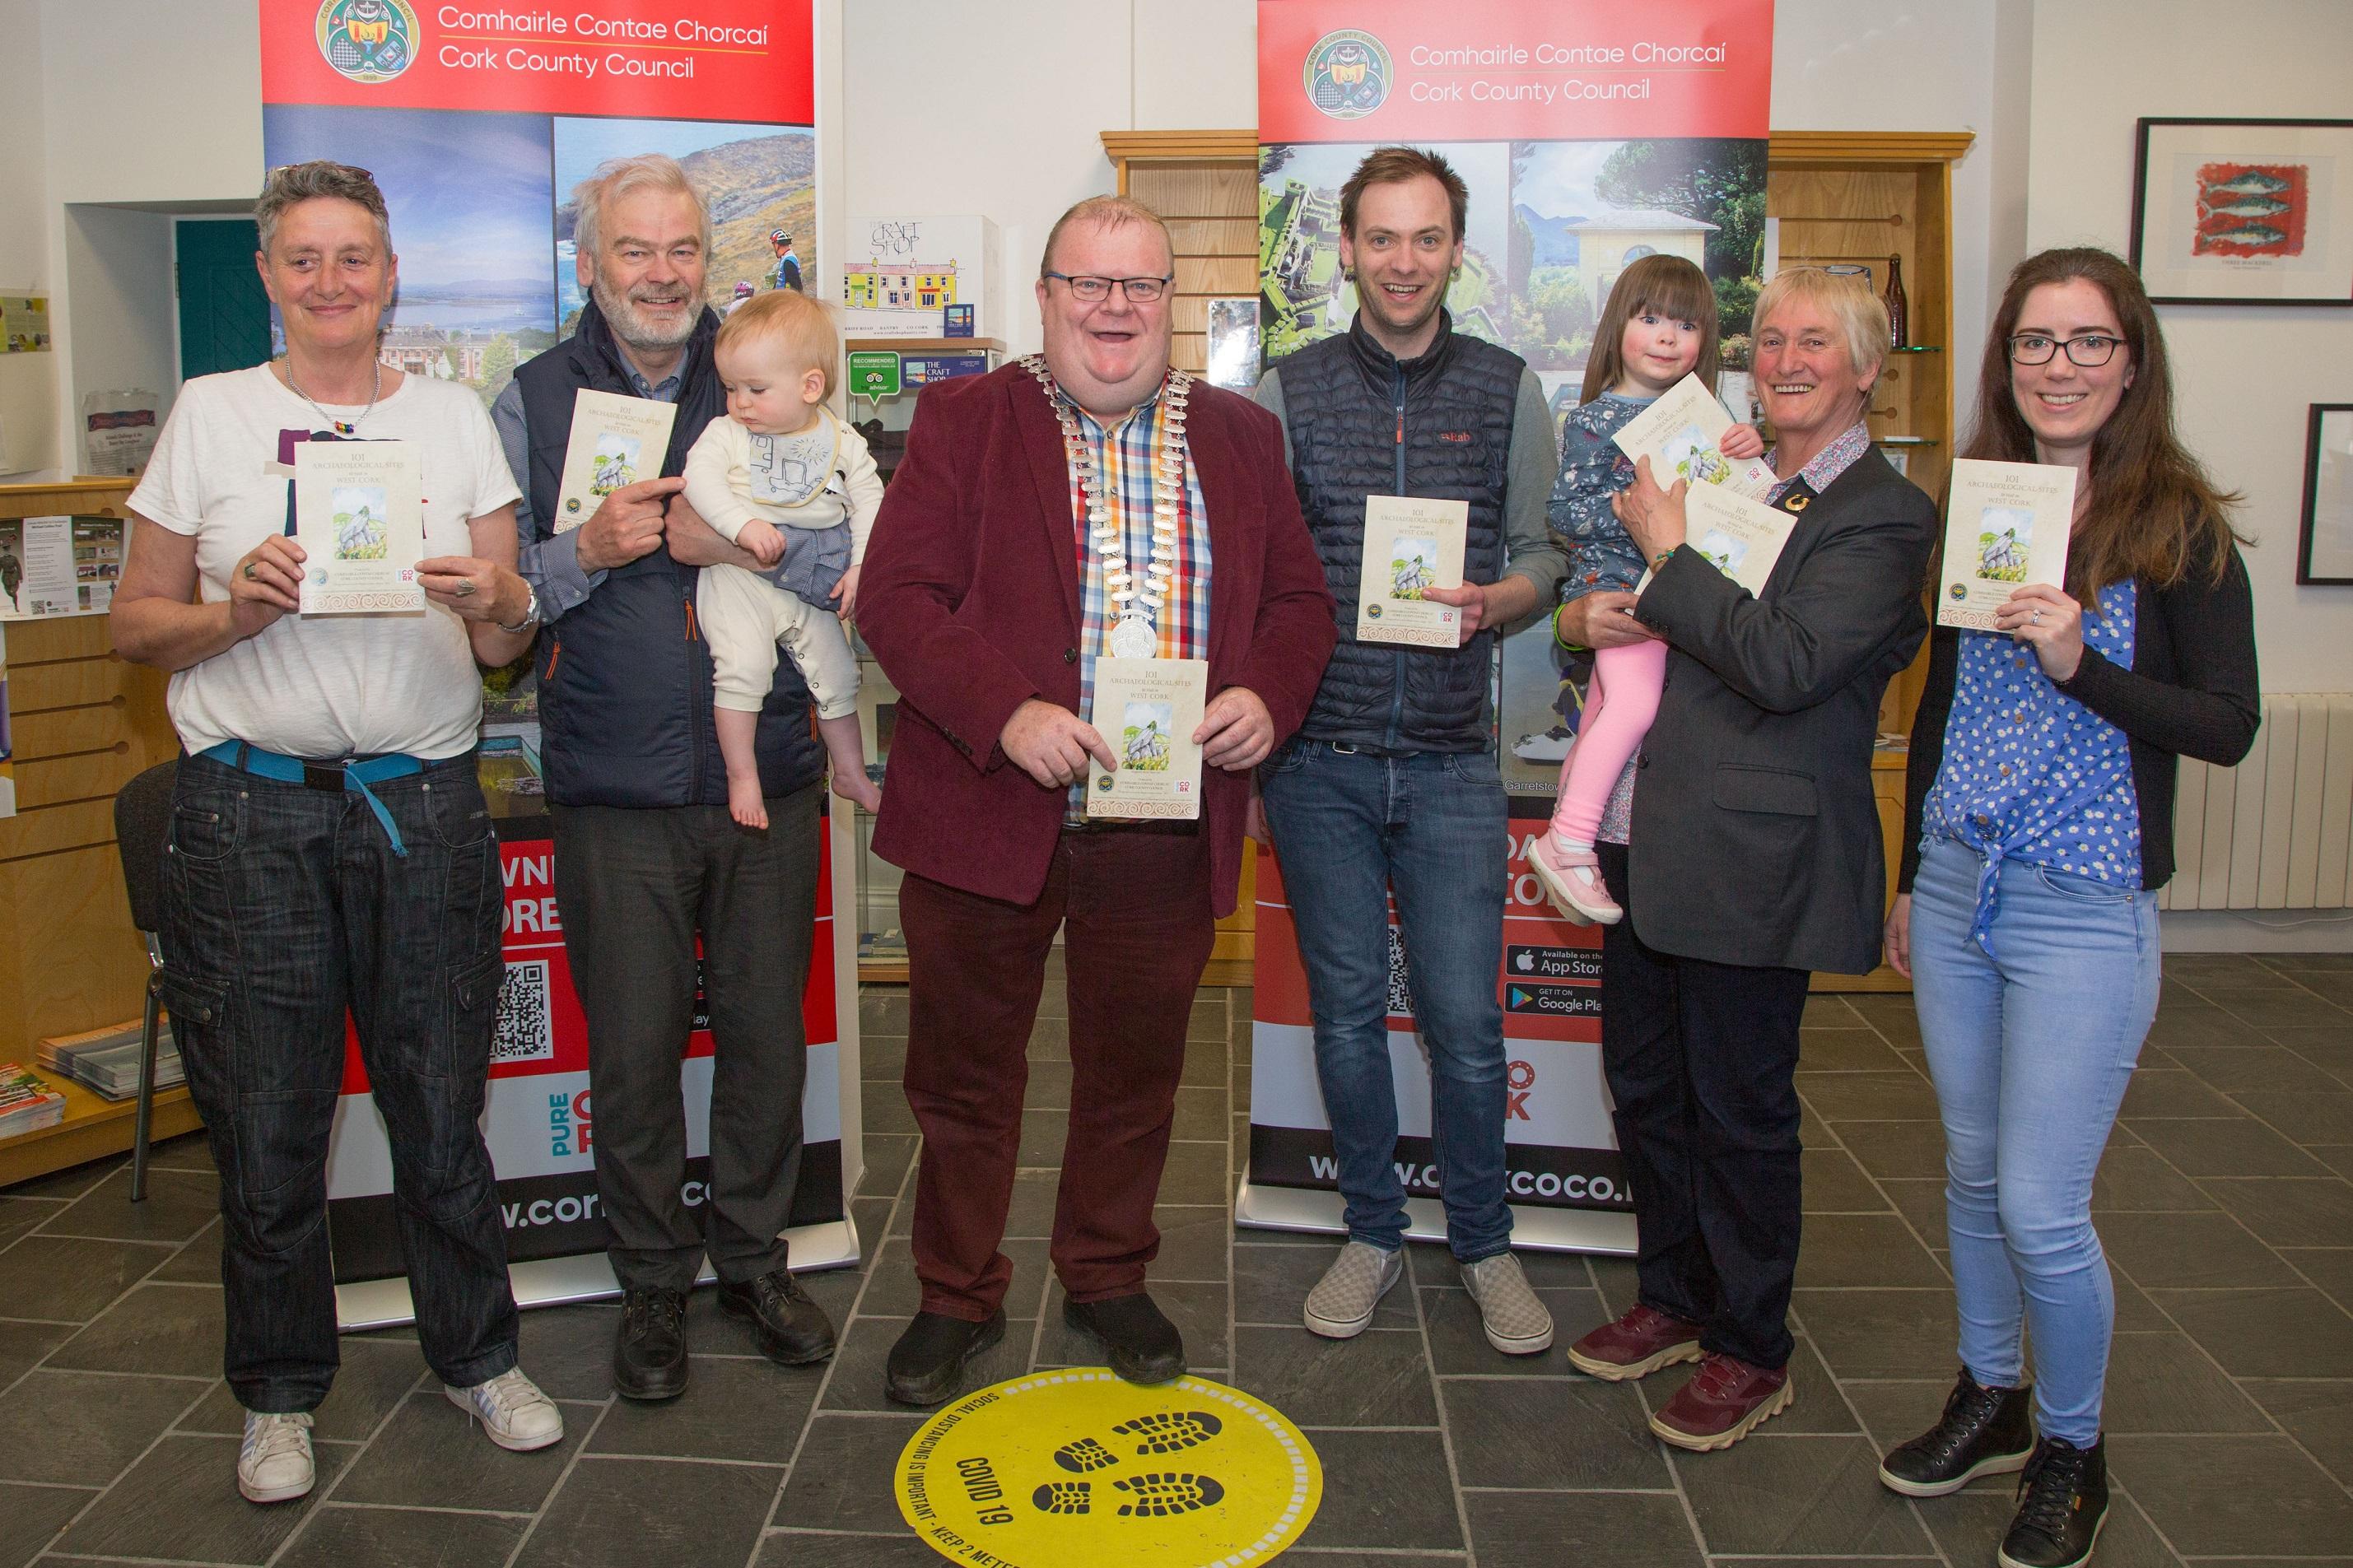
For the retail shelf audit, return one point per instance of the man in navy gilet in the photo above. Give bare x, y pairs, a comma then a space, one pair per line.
646, 854
1391, 785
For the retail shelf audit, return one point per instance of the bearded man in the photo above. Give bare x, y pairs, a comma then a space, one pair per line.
646, 853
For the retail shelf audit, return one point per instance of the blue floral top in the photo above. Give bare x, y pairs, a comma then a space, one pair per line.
2029, 774
1592, 470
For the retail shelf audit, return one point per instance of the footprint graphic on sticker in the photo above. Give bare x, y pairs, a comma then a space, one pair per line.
1165, 1493
1170, 1431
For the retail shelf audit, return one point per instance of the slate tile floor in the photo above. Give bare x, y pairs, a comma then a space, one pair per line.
2224, 1201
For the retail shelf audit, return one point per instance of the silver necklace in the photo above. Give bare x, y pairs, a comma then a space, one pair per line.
1131, 634
340, 426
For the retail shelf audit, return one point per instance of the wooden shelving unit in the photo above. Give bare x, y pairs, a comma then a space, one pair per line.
85, 723
1861, 197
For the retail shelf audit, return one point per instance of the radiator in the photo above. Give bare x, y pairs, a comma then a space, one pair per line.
2276, 831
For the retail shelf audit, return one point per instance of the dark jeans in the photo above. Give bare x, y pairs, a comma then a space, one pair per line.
1701, 1059
282, 907
1133, 908
634, 886
1350, 829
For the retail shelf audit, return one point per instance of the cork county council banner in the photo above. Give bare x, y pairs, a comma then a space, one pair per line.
477, 121
1590, 135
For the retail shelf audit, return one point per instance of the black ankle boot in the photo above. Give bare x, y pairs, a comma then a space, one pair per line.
2063, 1502
650, 1351
1983, 1432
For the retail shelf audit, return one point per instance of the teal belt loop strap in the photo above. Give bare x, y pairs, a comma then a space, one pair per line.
358, 776
353, 776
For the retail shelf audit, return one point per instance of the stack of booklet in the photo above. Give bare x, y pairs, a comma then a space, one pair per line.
106, 1061
26, 1104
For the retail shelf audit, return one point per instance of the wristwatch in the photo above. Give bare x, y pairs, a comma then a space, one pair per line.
530, 613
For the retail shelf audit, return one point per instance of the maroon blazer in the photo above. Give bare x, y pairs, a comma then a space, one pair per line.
970, 601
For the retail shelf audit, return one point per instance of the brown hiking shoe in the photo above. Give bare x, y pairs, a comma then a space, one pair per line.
1637, 1345
1724, 1402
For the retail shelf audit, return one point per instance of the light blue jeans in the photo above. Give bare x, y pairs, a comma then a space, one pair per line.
2031, 1054
1349, 830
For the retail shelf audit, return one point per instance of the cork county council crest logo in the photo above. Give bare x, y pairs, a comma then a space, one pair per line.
1348, 73
368, 40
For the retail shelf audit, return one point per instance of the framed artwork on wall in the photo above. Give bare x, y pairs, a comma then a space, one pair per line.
2323, 552
2244, 212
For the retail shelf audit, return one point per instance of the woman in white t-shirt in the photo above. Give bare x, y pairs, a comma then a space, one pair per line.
330, 847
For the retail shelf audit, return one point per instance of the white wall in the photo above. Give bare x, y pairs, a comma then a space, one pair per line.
2244, 376
24, 170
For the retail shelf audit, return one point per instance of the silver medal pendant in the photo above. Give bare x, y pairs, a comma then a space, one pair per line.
1132, 637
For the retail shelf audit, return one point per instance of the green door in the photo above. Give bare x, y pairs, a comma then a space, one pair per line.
224, 314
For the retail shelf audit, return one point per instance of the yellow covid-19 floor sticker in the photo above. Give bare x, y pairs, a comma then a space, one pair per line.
1076, 1468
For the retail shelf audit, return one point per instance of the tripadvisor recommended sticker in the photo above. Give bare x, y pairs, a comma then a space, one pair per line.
1079, 1466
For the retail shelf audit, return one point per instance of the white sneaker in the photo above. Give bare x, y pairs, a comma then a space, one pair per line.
513, 1410
273, 1464
1342, 1305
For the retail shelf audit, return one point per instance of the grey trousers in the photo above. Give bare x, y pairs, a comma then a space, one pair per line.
633, 887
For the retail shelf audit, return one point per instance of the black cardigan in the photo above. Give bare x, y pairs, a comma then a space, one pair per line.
2192, 692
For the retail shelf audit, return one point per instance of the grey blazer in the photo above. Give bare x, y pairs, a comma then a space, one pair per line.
1756, 839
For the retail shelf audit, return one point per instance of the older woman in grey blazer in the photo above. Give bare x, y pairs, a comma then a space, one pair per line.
1753, 857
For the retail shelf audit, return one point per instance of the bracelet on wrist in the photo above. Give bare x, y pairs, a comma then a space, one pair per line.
1664, 556
1561, 642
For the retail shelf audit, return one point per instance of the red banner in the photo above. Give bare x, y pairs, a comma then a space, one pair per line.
679, 59
1494, 70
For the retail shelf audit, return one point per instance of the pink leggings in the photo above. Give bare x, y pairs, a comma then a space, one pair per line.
1620, 703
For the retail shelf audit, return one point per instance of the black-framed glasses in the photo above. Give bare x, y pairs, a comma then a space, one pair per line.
1094, 291
2090, 352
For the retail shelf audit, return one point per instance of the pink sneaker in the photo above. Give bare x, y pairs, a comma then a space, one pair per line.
1572, 881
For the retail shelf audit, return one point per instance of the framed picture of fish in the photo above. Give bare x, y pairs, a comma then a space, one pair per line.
2244, 212
2325, 553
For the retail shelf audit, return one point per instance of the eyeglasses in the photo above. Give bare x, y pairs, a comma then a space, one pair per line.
2091, 350
1095, 290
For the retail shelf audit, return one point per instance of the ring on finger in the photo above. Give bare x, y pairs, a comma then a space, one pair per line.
465, 588
2036, 619
253, 571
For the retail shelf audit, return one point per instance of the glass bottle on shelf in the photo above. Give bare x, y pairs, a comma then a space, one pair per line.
1897, 307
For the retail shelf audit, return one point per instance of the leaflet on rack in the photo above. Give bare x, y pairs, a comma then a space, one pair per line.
2006, 525
1147, 711
1411, 542
1679, 434
616, 441
359, 516
1741, 538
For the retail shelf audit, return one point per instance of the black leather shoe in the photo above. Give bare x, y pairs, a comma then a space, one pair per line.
1983, 1432
649, 1352
793, 1331
2062, 1502
926, 1366
1141, 1344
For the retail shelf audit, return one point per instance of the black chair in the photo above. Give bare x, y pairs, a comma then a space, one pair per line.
143, 822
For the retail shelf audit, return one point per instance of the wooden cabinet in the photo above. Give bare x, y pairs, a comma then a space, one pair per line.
84, 724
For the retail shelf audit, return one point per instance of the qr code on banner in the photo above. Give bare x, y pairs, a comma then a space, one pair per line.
524, 1034
1401, 995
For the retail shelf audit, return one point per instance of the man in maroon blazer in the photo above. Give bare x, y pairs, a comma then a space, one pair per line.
1051, 511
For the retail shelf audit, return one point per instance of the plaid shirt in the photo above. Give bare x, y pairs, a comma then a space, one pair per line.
1123, 454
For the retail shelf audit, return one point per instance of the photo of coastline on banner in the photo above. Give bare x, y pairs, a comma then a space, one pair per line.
1411, 542
616, 441
2006, 525
359, 516
1591, 135
1147, 711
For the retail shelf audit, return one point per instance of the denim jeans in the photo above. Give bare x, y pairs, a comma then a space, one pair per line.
2031, 1054
283, 906
1348, 828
